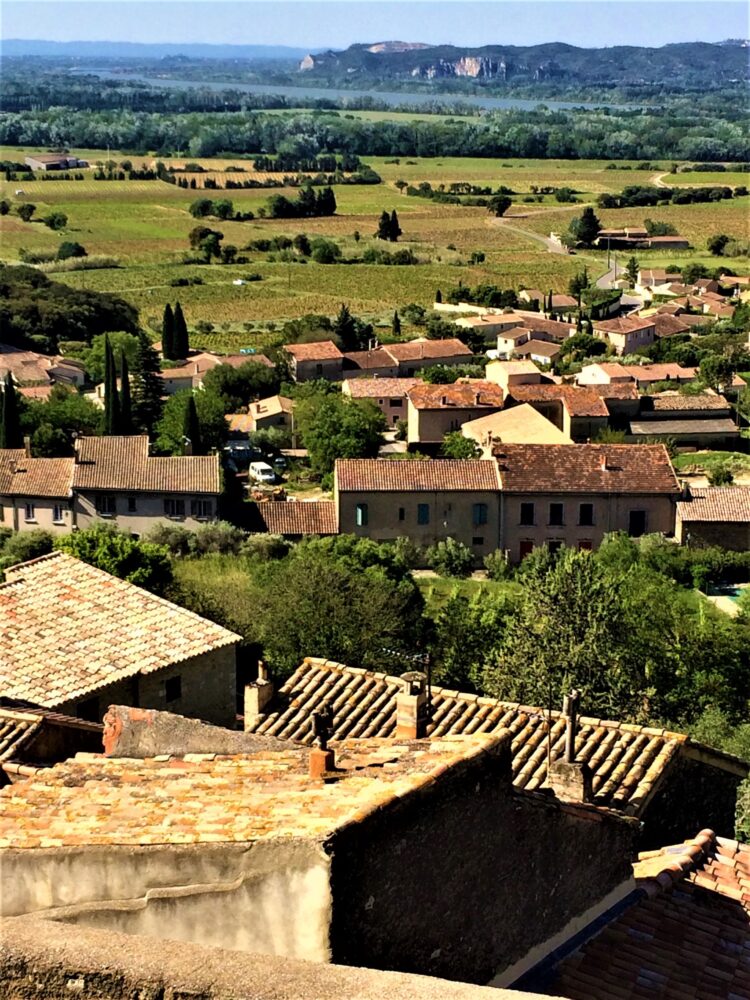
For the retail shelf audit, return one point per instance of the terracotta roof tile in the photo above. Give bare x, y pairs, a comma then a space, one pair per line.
667, 325
672, 401
35, 477
589, 468
473, 394
541, 348
376, 358
421, 350
67, 629
729, 504
356, 474
319, 350
207, 798
627, 761
623, 324
123, 463
299, 517
378, 388
578, 400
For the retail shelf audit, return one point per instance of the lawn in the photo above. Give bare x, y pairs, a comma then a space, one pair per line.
705, 462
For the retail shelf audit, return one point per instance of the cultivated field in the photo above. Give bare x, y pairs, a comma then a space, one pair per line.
145, 226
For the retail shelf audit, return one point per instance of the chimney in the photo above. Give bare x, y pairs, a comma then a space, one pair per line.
322, 760
569, 780
257, 695
27, 445
603, 463
412, 707
444, 400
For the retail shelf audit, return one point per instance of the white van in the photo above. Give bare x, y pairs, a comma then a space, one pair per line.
261, 472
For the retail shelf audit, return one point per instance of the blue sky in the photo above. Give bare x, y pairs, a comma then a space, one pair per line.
323, 23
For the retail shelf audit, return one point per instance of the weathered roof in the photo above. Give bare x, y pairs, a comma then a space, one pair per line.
22, 476
365, 474
541, 348
627, 761
590, 468
668, 325
20, 724
421, 350
377, 388
661, 428
669, 402
473, 394
579, 401
319, 350
730, 504
16, 728
123, 463
24, 366
623, 324
299, 517
211, 798
270, 406
686, 935
519, 424
376, 358
68, 629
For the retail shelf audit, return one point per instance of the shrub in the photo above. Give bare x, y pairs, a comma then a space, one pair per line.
173, 537
721, 475
450, 558
497, 566
70, 249
218, 536
19, 547
266, 548
407, 553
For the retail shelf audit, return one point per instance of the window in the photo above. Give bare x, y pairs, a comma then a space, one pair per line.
132, 505
556, 511
525, 548
58, 514
637, 523
477, 540
585, 545
396, 402
527, 513
586, 514
30, 512
89, 710
479, 514
202, 509
362, 516
2, 513
173, 689
423, 513
554, 544
174, 508
319, 369
402, 513
106, 505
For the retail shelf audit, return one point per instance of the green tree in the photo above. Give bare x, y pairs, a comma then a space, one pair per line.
585, 228
170, 429
499, 204
111, 396
181, 339
24, 545
236, 387
396, 324
717, 243
717, 371
55, 220
69, 248
11, 435
54, 423
211, 245
579, 282
466, 634
201, 208
126, 405
122, 344
301, 244
142, 563
720, 475
384, 226
450, 558
631, 269
26, 211
147, 386
167, 334
334, 426
4, 206
191, 429
394, 229
345, 330
455, 445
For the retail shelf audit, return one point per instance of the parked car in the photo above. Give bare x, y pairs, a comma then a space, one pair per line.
261, 472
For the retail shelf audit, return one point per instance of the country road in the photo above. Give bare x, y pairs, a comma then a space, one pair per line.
658, 180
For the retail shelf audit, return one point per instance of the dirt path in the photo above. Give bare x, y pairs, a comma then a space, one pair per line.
658, 180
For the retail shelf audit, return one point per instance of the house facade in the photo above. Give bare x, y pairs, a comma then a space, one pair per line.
390, 395
436, 410
35, 493
626, 333
321, 359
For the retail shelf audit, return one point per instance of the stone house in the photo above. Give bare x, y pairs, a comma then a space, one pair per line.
35, 493
436, 410
75, 639
321, 359
718, 515
626, 333
374, 363
427, 501
518, 425
390, 395
580, 413
414, 355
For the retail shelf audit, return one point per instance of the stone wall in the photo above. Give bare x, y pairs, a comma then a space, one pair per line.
699, 534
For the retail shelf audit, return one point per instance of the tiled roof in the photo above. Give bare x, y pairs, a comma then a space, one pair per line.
16, 728
622, 324
541, 348
672, 401
729, 504
42, 392
615, 390
377, 358
553, 468
24, 366
685, 937
666, 428
520, 423
513, 367
555, 328
466, 395
659, 372
208, 798
21, 476
319, 350
668, 326
378, 388
299, 517
123, 463
68, 629
627, 761
238, 360
271, 406
564, 302
656, 276
579, 401
21, 722
421, 350
358, 474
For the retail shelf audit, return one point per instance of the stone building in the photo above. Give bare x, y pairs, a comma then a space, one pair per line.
718, 515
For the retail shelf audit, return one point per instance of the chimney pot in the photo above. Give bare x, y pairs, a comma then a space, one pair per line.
257, 696
27, 445
604, 465
412, 707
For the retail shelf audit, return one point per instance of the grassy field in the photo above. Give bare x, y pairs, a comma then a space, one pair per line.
145, 226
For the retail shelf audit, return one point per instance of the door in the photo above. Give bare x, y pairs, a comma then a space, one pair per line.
637, 523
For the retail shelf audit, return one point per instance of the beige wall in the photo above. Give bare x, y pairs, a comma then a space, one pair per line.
149, 511
394, 515
13, 514
393, 407
626, 343
331, 369
431, 426
273, 420
173, 385
611, 513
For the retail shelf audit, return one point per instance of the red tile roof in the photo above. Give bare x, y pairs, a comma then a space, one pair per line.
587, 468
366, 474
579, 401
669, 402
123, 463
377, 358
35, 477
539, 348
727, 504
422, 350
378, 388
68, 629
299, 517
320, 350
667, 325
472, 394
623, 324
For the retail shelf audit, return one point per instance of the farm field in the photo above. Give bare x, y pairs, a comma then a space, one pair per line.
145, 226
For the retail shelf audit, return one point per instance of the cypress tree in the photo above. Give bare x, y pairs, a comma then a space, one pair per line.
148, 386
394, 228
181, 340
111, 399
438, 296
167, 333
10, 418
191, 429
126, 406
384, 226
345, 329
396, 327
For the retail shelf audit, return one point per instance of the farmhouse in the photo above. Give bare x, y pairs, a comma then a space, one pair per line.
717, 515
436, 410
390, 395
54, 161
626, 333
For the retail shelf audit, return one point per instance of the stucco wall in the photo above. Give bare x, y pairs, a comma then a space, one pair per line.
331, 369
149, 511
14, 514
433, 425
465, 878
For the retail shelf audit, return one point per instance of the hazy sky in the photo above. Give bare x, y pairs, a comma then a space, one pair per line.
323, 23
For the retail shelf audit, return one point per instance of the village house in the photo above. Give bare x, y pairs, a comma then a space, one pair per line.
321, 359
510, 373
718, 515
519, 425
539, 351
191, 373
390, 395
414, 355
547, 498
35, 493
426, 501
436, 410
703, 420
579, 412
644, 376
29, 369
274, 411
625, 333
296, 519
374, 363
75, 639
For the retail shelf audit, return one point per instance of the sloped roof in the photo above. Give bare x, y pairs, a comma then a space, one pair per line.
420, 350
668, 325
299, 517
365, 474
123, 463
670, 402
519, 424
591, 468
271, 406
377, 358
16, 728
578, 400
623, 324
686, 935
22, 476
68, 629
730, 504
378, 388
319, 350
627, 761
662, 428
541, 348
459, 395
